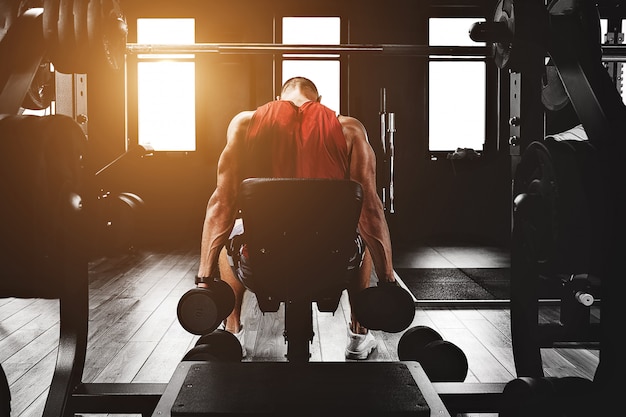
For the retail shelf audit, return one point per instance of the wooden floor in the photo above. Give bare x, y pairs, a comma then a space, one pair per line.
134, 335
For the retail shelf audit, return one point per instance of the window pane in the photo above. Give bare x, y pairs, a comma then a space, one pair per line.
167, 105
325, 75
165, 31
166, 87
456, 105
452, 31
325, 72
604, 27
311, 30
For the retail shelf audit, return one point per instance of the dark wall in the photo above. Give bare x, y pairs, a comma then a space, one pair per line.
435, 200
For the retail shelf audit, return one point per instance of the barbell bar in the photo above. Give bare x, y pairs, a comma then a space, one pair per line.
615, 53
277, 48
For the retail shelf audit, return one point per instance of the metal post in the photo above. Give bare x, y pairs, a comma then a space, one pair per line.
71, 97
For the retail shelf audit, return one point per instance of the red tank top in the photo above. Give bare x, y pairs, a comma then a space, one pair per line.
286, 141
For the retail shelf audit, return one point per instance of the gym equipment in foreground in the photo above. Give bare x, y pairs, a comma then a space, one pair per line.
303, 389
116, 212
300, 235
219, 345
549, 396
563, 199
387, 307
443, 361
558, 220
201, 310
568, 223
43, 254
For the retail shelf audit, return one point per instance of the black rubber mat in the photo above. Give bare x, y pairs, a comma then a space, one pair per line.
457, 284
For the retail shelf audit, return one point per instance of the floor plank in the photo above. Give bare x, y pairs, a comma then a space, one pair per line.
134, 335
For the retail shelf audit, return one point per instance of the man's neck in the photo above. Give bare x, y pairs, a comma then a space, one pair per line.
299, 101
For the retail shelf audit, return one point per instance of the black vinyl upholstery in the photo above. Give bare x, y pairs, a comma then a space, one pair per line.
300, 234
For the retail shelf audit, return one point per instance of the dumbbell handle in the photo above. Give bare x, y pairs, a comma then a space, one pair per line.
496, 32
584, 298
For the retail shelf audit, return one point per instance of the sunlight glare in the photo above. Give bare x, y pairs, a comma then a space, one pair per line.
166, 87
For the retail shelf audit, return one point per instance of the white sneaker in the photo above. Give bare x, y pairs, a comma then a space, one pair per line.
360, 345
242, 341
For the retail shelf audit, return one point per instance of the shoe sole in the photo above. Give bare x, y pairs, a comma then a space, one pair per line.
364, 354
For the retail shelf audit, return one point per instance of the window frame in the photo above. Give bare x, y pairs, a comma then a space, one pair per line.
132, 87
492, 75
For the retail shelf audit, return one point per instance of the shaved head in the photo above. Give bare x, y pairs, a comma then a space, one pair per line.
305, 85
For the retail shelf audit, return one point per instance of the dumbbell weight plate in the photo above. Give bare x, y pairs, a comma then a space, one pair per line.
443, 361
527, 29
412, 342
225, 296
198, 311
201, 310
107, 32
50, 23
502, 50
223, 345
389, 308
553, 94
219, 345
63, 55
81, 37
65, 25
528, 396
115, 34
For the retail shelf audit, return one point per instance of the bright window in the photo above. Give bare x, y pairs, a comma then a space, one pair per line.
456, 105
166, 87
452, 31
323, 70
456, 90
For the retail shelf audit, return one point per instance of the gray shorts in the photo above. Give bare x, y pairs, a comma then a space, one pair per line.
237, 254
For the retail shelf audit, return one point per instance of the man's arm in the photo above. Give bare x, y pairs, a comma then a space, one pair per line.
221, 208
372, 223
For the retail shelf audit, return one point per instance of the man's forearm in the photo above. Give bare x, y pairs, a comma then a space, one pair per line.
217, 226
373, 229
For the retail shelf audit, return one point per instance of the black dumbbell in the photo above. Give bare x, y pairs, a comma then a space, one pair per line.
441, 360
386, 307
548, 396
413, 341
201, 310
219, 346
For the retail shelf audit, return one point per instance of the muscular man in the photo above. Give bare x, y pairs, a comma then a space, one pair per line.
297, 137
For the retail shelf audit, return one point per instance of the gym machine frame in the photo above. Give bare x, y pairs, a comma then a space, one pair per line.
601, 112
67, 394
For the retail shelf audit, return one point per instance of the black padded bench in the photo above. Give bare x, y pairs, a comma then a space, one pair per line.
303, 389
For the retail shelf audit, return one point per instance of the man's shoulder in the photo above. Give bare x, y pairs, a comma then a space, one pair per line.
243, 117
349, 122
